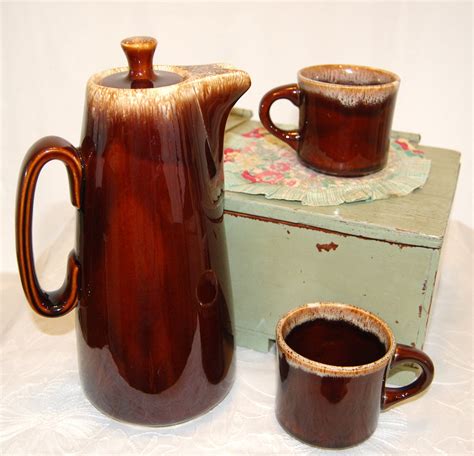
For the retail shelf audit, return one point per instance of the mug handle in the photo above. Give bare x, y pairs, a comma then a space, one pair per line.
404, 353
61, 301
290, 92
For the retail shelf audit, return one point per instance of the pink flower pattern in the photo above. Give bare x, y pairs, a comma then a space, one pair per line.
230, 154
280, 166
265, 177
255, 133
407, 147
402, 143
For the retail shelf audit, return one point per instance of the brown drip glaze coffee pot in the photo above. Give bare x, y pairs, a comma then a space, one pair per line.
149, 275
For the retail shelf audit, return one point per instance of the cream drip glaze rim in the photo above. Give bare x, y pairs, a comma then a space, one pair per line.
95, 80
198, 80
379, 86
394, 78
188, 73
335, 311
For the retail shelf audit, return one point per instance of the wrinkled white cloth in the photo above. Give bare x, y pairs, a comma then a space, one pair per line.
43, 409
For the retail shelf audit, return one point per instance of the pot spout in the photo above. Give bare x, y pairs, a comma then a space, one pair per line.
218, 87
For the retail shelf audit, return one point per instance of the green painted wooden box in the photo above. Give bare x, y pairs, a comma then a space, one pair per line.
381, 255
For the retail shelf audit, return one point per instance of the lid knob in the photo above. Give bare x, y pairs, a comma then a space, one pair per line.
139, 51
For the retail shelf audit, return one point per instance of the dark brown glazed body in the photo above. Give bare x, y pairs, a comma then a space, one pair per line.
345, 117
337, 406
344, 140
154, 348
149, 275
331, 412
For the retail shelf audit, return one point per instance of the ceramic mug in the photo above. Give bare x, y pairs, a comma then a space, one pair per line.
345, 117
333, 362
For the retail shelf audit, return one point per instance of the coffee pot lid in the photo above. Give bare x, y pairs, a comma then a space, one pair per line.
141, 74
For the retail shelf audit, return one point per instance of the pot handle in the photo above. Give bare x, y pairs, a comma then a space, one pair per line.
403, 354
290, 92
61, 301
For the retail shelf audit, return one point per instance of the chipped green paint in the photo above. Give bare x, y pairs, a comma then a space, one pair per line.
273, 272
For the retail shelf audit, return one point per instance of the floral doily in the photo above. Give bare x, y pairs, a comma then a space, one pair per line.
256, 162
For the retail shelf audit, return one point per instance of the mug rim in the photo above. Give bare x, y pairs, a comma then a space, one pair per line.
395, 79
342, 311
